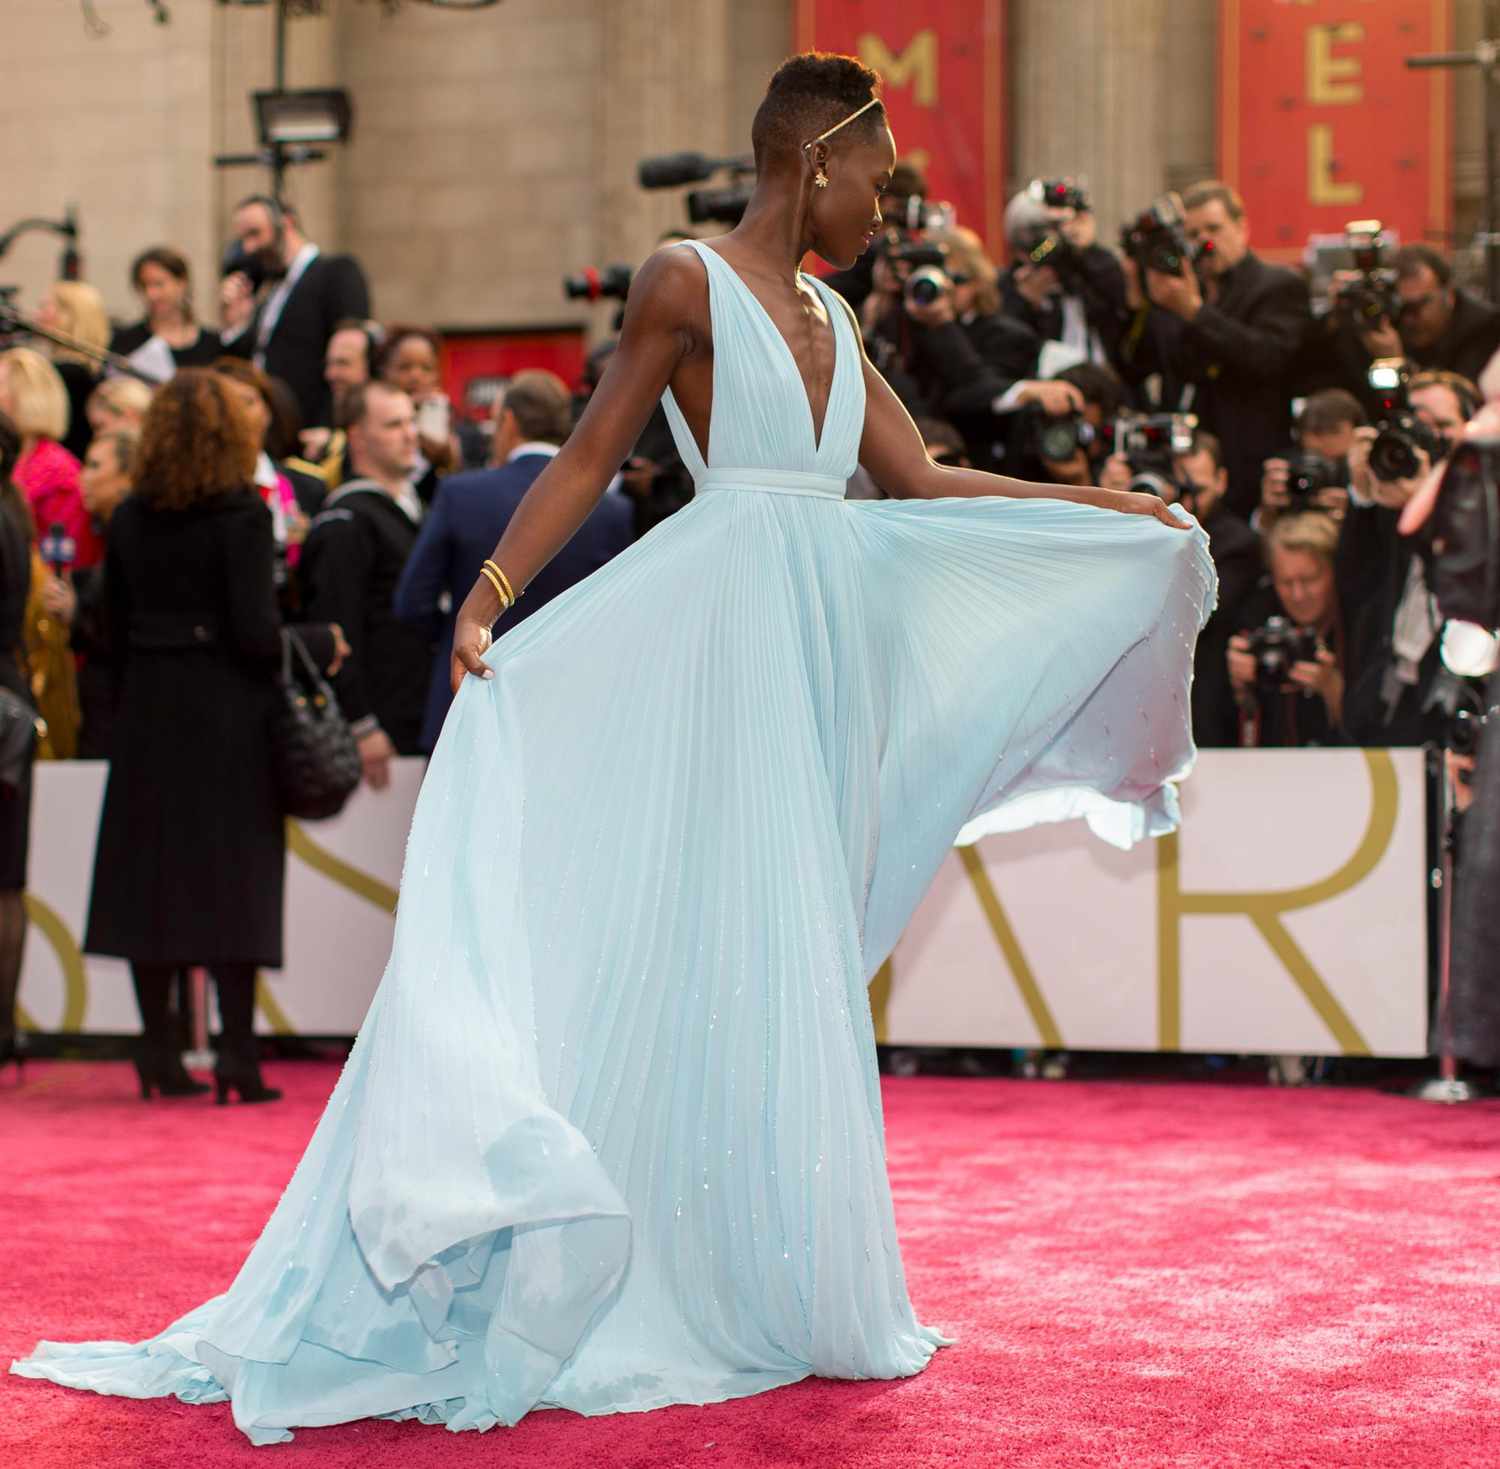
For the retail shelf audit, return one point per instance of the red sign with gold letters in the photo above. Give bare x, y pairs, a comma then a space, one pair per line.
1321, 122
942, 63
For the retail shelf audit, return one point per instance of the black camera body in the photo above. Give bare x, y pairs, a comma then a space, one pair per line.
1308, 474
1151, 444
1157, 239
1058, 439
1276, 646
1063, 193
1365, 303
1399, 432
1371, 299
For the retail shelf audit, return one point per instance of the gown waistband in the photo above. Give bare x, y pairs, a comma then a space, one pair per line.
773, 482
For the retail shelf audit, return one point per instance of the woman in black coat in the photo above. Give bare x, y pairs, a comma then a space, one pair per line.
191, 855
16, 535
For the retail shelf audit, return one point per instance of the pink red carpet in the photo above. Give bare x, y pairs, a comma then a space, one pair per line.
1137, 1275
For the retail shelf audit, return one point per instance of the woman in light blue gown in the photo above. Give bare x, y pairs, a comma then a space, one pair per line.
610, 1136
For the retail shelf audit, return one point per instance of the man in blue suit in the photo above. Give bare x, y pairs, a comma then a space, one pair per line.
471, 511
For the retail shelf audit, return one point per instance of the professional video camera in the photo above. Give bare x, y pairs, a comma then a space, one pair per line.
1399, 432
1157, 239
1371, 299
1276, 646
718, 206
1151, 444
593, 284
1308, 474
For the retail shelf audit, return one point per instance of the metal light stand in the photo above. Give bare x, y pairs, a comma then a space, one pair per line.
1447, 1086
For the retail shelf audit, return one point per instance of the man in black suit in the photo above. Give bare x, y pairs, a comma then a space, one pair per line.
1223, 336
304, 298
470, 514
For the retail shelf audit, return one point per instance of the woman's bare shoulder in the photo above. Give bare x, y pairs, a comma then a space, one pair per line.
670, 290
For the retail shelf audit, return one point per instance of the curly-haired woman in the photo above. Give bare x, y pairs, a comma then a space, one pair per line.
195, 644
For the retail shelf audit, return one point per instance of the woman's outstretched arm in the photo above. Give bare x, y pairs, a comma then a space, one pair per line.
892, 450
660, 327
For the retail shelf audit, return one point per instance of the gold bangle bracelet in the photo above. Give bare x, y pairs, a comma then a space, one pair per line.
505, 580
494, 581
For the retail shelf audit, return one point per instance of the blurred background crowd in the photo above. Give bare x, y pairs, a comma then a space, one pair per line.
1295, 419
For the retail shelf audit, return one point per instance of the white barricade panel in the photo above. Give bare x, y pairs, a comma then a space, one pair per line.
1287, 916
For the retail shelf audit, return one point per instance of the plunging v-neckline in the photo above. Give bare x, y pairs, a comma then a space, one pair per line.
815, 430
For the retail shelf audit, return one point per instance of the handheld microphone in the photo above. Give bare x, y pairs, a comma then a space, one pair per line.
58, 549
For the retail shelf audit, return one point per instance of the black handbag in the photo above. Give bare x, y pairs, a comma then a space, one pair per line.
315, 756
18, 739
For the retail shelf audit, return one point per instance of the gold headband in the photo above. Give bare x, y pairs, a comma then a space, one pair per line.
868, 105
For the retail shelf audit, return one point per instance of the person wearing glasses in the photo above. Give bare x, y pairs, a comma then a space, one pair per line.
1437, 326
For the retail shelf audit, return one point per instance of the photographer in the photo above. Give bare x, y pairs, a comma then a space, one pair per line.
1395, 682
1068, 448
1287, 665
1427, 320
1316, 477
1062, 284
1223, 332
933, 325
1199, 483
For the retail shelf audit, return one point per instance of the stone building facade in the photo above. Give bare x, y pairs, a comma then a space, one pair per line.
494, 150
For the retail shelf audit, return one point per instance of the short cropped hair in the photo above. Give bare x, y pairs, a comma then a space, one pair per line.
39, 401
1215, 191
354, 402
809, 93
1207, 443
1331, 409
1313, 531
1412, 258
541, 404
1098, 384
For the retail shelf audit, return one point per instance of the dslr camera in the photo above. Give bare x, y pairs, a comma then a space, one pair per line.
1151, 444
1365, 303
1307, 474
1399, 432
1276, 647
1059, 439
1157, 239
1046, 244
919, 264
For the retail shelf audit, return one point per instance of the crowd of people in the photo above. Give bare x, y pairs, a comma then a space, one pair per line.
1213, 383
1216, 384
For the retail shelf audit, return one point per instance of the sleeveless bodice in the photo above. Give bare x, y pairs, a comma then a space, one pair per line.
761, 430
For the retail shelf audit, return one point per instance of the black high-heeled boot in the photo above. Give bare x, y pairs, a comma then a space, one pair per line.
159, 1066
237, 1069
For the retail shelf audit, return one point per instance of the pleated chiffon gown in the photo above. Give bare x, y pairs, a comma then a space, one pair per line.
610, 1136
